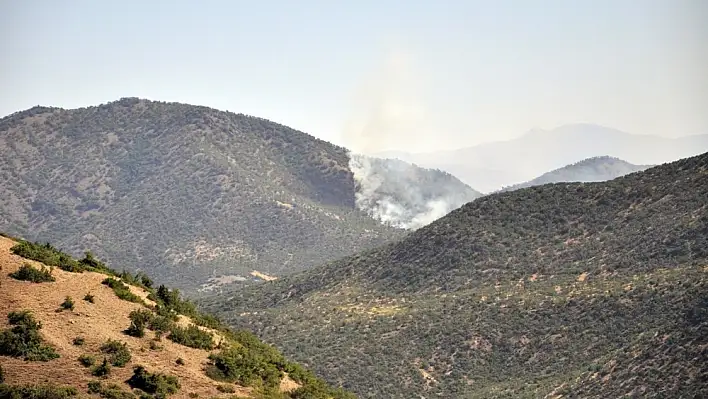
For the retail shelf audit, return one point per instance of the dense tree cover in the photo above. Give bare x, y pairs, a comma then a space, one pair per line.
591, 290
183, 192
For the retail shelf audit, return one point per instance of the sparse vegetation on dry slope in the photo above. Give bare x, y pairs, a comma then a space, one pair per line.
92, 347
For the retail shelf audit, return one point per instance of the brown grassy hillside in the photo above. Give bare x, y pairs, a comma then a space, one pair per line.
105, 319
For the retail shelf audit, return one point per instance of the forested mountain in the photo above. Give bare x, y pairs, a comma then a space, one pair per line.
184, 192
590, 290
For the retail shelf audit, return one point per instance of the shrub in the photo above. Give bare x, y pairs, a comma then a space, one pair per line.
23, 340
171, 300
158, 384
119, 352
180, 361
121, 290
89, 298
78, 341
138, 320
87, 360
207, 320
28, 391
161, 323
27, 272
2, 375
94, 386
246, 367
68, 304
111, 391
48, 255
154, 346
89, 262
192, 337
102, 370
225, 389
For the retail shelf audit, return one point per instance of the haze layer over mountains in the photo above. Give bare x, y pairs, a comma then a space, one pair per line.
492, 166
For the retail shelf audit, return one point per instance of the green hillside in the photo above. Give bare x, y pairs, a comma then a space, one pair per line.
186, 193
590, 290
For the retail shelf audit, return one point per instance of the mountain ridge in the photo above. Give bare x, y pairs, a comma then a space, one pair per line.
493, 165
539, 292
187, 193
595, 169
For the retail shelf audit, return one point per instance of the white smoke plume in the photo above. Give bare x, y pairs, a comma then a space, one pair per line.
390, 112
404, 195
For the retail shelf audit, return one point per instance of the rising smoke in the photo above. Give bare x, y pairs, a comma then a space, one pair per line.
390, 112
404, 195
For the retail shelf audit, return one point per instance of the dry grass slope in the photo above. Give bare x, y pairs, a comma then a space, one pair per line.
99, 316
105, 319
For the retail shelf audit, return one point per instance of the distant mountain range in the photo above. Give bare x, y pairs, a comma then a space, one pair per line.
489, 167
573, 290
589, 170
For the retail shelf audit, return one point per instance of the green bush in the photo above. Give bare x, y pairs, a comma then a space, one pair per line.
121, 290
170, 299
161, 323
48, 255
118, 351
180, 362
68, 304
78, 341
245, 367
94, 386
192, 337
27, 272
158, 384
23, 340
139, 319
225, 389
2, 375
111, 391
87, 360
47, 391
89, 298
102, 370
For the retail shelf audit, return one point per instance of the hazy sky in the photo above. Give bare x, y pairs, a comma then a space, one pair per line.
374, 75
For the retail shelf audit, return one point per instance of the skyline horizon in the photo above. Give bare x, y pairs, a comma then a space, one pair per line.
373, 76
387, 152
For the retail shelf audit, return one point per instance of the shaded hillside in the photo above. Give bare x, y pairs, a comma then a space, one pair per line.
589, 170
489, 167
589, 290
183, 192
80, 325
405, 195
